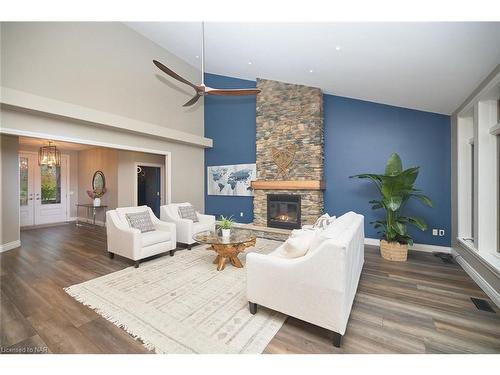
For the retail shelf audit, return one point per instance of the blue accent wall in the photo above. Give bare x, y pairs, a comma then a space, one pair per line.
359, 137
230, 122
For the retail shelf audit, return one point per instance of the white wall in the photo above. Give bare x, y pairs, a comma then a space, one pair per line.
101, 65
9, 189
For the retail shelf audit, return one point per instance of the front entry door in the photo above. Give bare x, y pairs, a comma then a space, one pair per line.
43, 191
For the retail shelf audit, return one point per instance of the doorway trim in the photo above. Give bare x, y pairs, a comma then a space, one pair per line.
84, 141
163, 177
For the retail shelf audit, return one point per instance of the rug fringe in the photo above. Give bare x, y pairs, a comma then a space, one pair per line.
148, 345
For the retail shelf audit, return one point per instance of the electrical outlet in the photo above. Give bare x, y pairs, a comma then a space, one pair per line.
434, 232
441, 232
241, 214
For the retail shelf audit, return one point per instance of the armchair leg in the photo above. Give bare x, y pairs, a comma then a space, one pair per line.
253, 308
189, 246
172, 252
111, 255
337, 338
136, 264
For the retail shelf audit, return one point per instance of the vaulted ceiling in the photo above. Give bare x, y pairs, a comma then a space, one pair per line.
426, 66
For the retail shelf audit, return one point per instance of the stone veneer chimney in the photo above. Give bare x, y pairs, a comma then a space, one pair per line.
290, 128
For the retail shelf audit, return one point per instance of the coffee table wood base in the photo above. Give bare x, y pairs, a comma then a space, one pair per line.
229, 252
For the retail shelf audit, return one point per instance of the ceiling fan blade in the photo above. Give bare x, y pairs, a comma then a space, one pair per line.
232, 92
173, 74
193, 100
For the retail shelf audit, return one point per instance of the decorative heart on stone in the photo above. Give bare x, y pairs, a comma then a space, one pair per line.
284, 158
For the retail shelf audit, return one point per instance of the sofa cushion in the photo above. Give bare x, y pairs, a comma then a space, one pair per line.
188, 212
141, 221
296, 245
154, 237
334, 230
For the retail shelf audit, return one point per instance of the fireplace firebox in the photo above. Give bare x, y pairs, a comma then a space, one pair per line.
283, 211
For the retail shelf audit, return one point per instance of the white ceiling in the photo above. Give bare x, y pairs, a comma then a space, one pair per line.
426, 66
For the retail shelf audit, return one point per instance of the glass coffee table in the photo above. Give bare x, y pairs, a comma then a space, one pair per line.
226, 248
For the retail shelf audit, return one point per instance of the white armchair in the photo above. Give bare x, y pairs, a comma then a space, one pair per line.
318, 287
186, 228
131, 243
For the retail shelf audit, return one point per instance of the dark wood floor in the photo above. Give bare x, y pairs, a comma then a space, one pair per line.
422, 306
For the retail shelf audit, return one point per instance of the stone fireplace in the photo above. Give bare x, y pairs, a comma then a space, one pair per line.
289, 151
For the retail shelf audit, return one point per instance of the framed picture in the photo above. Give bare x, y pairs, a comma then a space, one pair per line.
232, 180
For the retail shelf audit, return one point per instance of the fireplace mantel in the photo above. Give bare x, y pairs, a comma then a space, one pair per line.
288, 185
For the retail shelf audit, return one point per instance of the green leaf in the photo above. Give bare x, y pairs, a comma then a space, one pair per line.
394, 165
400, 228
424, 199
393, 203
376, 204
419, 223
371, 176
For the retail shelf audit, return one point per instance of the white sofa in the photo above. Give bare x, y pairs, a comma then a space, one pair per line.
186, 228
318, 287
131, 243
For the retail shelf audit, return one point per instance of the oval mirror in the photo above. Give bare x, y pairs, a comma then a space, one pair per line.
98, 181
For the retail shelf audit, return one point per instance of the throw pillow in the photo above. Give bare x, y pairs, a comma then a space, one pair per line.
296, 246
323, 221
141, 221
188, 212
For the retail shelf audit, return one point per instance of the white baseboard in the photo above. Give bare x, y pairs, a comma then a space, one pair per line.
483, 284
89, 221
10, 245
417, 246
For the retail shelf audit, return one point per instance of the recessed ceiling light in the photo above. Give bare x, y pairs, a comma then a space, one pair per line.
197, 56
310, 70
338, 48
249, 63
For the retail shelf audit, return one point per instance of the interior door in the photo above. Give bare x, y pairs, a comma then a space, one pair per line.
26, 189
149, 187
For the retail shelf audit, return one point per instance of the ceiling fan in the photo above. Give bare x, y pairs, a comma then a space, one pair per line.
202, 90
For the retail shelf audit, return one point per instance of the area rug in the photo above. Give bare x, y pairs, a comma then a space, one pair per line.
182, 304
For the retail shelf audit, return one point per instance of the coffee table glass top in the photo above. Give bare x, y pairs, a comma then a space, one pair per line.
237, 236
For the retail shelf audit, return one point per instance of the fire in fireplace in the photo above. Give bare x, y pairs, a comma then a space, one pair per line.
283, 211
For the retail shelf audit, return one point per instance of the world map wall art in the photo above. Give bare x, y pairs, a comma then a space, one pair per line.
232, 180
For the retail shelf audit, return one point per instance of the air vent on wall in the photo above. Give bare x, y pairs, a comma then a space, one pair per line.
482, 305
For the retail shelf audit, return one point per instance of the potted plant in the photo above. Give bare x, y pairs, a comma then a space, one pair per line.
225, 224
396, 187
96, 195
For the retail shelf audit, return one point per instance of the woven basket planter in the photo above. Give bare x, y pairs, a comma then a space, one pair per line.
393, 251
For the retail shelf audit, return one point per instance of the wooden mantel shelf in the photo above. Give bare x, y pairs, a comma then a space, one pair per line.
288, 185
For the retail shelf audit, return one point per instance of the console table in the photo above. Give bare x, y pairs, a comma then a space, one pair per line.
91, 210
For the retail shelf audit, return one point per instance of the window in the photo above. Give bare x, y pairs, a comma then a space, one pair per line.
50, 184
23, 181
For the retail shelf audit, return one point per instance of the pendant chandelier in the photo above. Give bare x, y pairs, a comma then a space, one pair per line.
49, 155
